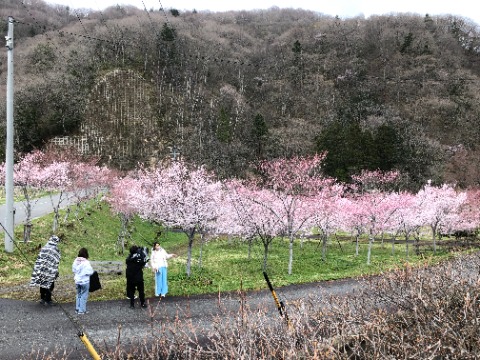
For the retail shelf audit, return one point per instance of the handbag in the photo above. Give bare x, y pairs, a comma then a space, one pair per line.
94, 282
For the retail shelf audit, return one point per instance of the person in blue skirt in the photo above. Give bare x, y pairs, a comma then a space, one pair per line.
158, 262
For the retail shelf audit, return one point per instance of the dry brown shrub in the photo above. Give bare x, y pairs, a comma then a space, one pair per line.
426, 313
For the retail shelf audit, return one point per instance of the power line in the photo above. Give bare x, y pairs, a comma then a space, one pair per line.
150, 18
80, 20
219, 60
36, 22
163, 9
62, 32
247, 63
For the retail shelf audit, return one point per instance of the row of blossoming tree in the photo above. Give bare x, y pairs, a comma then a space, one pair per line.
283, 199
290, 199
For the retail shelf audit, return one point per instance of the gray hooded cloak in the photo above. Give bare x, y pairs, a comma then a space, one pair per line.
45, 270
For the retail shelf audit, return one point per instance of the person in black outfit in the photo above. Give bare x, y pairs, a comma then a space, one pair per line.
136, 261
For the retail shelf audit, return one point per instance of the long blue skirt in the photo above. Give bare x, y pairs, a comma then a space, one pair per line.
161, 286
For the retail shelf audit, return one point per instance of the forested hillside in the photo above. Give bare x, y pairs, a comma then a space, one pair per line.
224, 89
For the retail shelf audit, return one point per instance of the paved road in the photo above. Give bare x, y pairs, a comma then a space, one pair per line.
40, 207
27, 326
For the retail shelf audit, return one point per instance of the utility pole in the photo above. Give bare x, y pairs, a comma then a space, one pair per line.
9, 225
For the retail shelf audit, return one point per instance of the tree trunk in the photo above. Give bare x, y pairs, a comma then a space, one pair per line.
27, 229
324, 246
265, 255
55, 220
250, 244
191, 235
123, 233
290, 258
201, 251
27, 232
56, 211
67, 213
369, 254
406, 244
356, 244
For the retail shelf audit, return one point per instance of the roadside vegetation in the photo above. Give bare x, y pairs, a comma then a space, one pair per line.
411, 313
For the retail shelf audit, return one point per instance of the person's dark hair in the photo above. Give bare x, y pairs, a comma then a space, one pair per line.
133, 249
155, 244
83, 253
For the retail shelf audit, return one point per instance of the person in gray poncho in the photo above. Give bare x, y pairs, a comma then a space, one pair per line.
45, 270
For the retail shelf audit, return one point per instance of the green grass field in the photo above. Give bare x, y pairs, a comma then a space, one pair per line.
226, 265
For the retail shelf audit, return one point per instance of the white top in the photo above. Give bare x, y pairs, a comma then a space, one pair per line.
82, 269
159, 259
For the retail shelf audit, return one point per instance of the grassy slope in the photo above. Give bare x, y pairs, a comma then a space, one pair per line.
225, 264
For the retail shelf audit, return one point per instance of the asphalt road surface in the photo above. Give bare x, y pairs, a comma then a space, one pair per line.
40, 207
29, 327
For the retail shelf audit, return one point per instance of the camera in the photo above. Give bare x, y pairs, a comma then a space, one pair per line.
143, 251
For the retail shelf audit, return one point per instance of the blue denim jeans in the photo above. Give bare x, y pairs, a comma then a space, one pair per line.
82, 297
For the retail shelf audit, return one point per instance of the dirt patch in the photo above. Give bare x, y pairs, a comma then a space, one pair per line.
64, 290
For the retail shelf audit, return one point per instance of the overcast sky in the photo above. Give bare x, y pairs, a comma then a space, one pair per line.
343, 8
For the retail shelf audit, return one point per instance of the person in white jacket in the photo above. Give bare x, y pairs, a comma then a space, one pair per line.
158, 262
82, 269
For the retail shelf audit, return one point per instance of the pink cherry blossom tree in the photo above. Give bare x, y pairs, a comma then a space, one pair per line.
353, 220
182, 197
292, 182
439, 207
253, 213
376, 207
27, 175
469, 213
376, 180
123, 197
231, 220
41, 168
65, 170
59, 173
57, 179
89, 180
405, 219
327, 208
